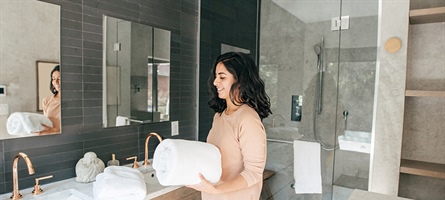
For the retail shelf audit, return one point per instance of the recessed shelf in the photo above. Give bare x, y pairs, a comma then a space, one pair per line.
424, 93
422, 168
428, 15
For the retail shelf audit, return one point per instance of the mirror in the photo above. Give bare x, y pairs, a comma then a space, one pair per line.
136, 73
30, 44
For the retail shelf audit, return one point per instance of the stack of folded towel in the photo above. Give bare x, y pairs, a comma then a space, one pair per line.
179, 162
119, 183
19, 123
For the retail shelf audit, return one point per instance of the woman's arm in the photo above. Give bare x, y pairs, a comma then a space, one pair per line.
237, 183
252, 142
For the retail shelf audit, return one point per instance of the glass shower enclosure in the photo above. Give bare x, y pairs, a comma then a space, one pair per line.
318, 61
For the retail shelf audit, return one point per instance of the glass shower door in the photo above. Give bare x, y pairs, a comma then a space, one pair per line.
319, 87
356, 85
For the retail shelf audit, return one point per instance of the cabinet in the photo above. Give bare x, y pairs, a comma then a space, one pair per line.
423, 146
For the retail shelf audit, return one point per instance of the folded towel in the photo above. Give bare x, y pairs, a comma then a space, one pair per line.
119, 182
19, 123
179, 162
307, 167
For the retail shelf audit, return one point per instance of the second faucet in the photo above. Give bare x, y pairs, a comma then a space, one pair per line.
146, 146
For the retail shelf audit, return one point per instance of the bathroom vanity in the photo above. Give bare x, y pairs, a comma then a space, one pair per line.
71, 189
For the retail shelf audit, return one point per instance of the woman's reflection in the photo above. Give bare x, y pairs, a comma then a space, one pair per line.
51, 104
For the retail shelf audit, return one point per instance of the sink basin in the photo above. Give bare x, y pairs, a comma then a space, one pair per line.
283, 133
151, 181
154, 188
68, 194
358, 141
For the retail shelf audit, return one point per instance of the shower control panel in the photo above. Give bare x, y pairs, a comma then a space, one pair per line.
297, 103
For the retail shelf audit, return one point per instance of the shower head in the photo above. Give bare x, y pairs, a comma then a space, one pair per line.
317, 49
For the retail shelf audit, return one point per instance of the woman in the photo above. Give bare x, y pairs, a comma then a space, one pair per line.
240, 102
51, 104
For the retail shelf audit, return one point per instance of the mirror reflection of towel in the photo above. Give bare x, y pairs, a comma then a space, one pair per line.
19, 123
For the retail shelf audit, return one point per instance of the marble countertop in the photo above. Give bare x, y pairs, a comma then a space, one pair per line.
56, 190
71, 189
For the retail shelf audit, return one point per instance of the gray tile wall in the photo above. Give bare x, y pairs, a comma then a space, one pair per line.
231, 22
81, 60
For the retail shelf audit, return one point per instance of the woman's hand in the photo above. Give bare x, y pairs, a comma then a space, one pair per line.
204, 186
47, 130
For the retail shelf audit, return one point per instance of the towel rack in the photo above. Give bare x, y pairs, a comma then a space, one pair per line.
281, 141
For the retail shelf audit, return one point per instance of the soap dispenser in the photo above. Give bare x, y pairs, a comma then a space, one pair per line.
113, 161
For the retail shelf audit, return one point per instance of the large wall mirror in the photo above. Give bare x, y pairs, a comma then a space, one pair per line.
29, 46
136, 73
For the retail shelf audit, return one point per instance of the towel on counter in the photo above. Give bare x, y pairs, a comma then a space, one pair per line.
307, 167
179, 162
19, 123
119, 182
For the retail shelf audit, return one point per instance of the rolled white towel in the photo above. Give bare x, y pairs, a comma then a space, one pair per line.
119, 182
179, 162
19, 123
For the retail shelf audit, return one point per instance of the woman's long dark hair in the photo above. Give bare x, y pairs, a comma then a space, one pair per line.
248, 87
51, 86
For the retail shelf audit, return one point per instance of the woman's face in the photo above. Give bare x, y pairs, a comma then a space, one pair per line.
55, 77
223, 81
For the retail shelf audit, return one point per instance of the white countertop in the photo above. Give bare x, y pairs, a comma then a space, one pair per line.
61, 190
50, 189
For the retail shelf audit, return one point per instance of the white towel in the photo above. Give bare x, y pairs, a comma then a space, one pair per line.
122, 121
19, 123
179, 162
307, 167
119, 182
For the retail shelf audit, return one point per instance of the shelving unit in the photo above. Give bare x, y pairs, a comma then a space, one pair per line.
422, 168
423, 140
428, 15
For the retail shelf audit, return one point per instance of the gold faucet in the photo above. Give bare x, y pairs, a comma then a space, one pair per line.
15, 177
146, 146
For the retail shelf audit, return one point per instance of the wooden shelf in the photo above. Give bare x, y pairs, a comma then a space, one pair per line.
428, 15
422, 168
424, 93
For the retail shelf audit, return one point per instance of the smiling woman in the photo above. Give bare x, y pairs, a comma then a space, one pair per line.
30, 32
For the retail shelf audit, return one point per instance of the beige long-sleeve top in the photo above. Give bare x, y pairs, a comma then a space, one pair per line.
51, 109
241, 139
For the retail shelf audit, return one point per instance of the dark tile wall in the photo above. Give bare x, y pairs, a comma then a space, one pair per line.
81, 61
231, 22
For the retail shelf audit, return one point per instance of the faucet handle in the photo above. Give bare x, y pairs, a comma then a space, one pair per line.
37, 190
135, 163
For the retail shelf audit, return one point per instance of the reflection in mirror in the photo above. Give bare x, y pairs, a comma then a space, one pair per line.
30, 37
136, 73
